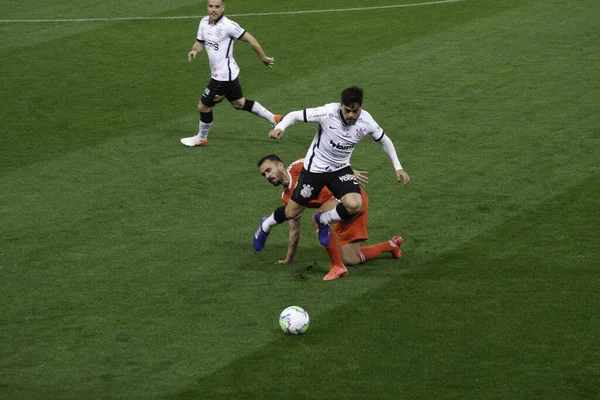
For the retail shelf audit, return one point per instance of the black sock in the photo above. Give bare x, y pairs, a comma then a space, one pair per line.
279, 215
343, 213
248, 105
206, 117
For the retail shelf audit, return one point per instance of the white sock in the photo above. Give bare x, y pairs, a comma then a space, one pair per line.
268, 223
203, 131
262, 112
330, 216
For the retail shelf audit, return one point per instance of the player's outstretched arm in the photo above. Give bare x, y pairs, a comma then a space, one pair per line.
294, 239
390, 150
287, 121
268, 61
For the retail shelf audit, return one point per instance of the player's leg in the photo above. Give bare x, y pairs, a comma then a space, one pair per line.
391, 246
279, 216
351, 234
337, 268
351, 253
345, 187
239, 102
209, 99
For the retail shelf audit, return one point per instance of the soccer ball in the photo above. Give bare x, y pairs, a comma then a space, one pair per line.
294, 320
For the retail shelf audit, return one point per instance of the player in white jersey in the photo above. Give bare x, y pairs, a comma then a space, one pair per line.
216, 34
327, 162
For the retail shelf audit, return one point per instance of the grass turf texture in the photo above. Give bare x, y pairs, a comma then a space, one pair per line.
126, 261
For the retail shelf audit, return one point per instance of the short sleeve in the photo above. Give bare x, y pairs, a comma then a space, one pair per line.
315, 114
377, 133
200, 34
234, 30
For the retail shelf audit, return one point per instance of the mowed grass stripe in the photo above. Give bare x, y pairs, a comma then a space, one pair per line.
507, 314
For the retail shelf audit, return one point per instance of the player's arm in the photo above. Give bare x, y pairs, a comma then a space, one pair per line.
294, 239
390, 150
287, 121
197, 47
268, 61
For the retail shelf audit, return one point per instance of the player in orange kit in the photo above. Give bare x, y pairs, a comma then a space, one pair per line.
349, 235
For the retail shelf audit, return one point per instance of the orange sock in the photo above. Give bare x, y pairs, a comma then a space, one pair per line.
369, 252
333, 250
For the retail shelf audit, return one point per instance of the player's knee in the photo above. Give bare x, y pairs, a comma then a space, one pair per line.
353, 205
203, 108
351, 259
238, 104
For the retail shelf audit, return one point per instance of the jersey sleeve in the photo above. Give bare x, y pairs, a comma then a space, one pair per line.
234, 30
200, 34
317, 114
376, 131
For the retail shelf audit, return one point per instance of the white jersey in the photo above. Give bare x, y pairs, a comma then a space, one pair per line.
334, 141
218, 41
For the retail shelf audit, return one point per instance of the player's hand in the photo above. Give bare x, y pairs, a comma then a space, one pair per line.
191, 55
402, 176
361, 177
268, 61
276, 134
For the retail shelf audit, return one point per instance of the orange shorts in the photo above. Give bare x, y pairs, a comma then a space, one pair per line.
355, 229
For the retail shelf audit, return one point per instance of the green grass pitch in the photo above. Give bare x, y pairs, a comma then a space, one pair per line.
126, 264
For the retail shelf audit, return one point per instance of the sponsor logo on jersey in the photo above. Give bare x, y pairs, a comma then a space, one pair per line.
213, 45
306, 191
341, 146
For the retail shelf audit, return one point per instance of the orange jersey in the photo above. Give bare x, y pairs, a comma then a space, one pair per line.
294, 171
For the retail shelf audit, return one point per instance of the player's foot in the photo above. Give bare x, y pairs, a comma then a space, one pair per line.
192, 141
336, 272
323, 230
277, 118
396, 252
260, 237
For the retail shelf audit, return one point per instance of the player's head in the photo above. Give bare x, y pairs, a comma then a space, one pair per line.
271, 167
351, 104
216, 8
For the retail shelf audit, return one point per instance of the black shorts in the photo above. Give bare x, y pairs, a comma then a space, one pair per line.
216, 91
339, 182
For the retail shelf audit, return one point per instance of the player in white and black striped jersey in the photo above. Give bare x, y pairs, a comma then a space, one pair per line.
327, 163
216, 35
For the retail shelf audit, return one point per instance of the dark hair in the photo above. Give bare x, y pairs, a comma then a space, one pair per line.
271, 157
352, 95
